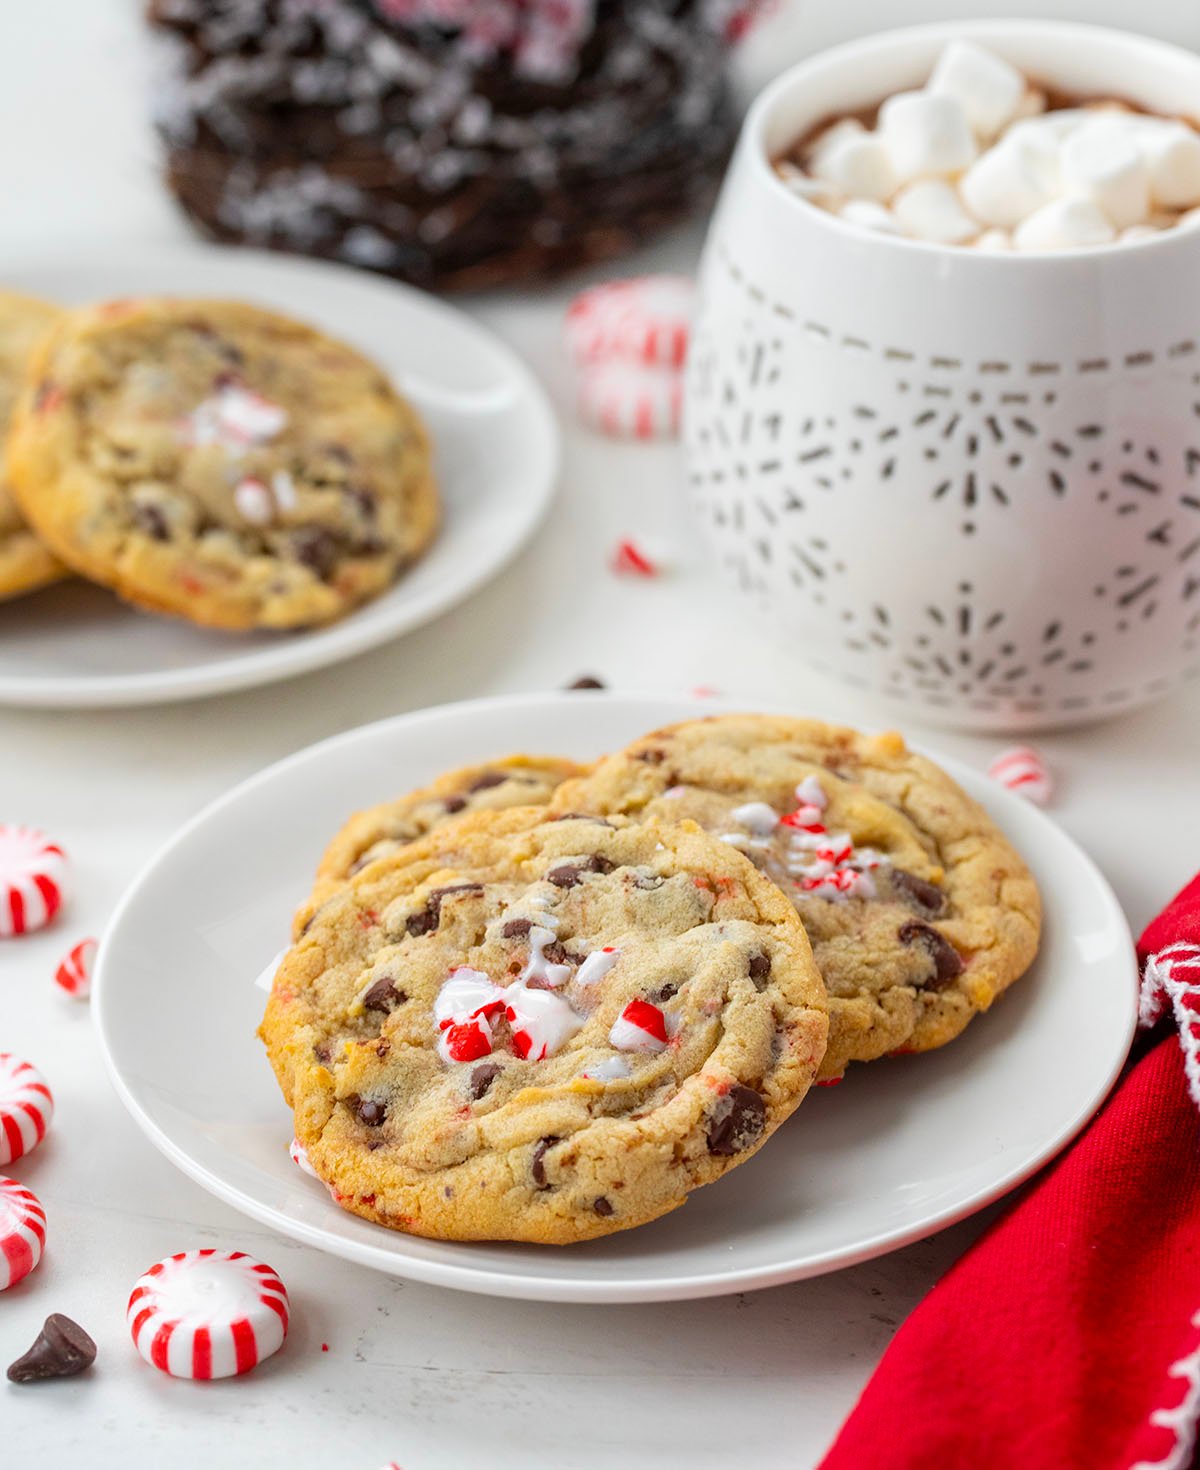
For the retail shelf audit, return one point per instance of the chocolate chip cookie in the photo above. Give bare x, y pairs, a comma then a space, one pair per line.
220, 462
24, 562
514, 780
918, 909
521, 1029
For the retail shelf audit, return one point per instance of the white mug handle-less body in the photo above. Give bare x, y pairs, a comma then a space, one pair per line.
968, 481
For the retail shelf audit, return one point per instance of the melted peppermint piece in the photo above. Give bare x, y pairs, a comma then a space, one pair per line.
465, 1041
541, 1021
757, 817
611, 1069
466, 994
539, 969
234, 418
597, 965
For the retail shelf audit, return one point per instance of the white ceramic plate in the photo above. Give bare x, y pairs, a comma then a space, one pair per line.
900, 1149
74, 645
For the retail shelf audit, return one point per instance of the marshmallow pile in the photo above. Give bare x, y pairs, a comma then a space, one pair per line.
978, 158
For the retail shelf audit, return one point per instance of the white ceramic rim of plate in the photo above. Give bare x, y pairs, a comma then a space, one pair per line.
612, 1289
302, 652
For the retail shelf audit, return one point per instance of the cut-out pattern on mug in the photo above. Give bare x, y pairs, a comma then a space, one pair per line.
966, 448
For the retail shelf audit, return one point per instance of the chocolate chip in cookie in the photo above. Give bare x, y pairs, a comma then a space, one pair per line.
736, 1121
947, 962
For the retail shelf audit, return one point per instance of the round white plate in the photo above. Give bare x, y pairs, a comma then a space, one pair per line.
900, 1149
497, 451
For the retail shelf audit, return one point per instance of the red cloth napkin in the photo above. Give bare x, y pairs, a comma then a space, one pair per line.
1068, 1336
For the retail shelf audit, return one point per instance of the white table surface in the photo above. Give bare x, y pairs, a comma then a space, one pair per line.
375, 1369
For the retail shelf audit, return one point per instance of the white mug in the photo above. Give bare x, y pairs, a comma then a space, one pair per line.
969, 481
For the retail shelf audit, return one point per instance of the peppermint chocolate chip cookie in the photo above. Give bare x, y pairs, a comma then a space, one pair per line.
24, 562
918, 909
515, 780
520, 1029
220, 462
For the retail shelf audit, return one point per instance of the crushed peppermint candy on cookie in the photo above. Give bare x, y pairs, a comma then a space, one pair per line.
540, 971
234, 418
597, 965
541, 1021
822, 863
641, 1026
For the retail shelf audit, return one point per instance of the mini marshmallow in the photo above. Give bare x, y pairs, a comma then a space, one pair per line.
1102, 160
870, 216
833, 136
926, 135
994, 240
1065, 224
1009, 182
989, 89
1032, 104
1172, 154
930, 210
801, 183
859, 166
1138, 232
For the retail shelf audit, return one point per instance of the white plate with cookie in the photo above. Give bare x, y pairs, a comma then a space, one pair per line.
496, 456
904, 1147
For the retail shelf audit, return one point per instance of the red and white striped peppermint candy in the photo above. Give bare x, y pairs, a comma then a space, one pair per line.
299, 1156
208, 1314
26, 1108
74, 974
641, 1026
22, 1232
33, 873
630, 558
627, 401
646, 320
1023, 770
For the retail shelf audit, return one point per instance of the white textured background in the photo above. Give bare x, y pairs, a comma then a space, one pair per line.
435, 1379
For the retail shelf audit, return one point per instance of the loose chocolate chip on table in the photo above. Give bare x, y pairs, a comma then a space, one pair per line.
587, 681
383, 995
62, 1349
736, 1122
603, 1207
947, 962
367, 1110
537, 1168
482, 1078
926, 898
487, 781
759, 966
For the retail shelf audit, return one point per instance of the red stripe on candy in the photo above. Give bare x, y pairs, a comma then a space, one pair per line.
202, 1354
244, 1345
51, 894
160, 1347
